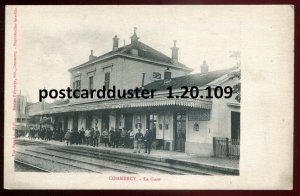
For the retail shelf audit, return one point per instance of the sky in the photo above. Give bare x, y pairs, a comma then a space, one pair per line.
52, 39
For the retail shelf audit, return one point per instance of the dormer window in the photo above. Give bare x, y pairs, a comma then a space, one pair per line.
134, 52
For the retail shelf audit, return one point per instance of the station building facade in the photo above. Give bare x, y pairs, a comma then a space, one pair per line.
185, 125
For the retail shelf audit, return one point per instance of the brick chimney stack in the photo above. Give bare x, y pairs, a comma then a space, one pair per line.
92, 57
134, 41
134, 38
204, 68
115, 43
175, 53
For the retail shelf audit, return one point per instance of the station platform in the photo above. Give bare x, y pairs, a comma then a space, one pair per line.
213, 163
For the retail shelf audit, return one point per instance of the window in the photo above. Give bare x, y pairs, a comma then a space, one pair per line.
76, 85
106, 80
91, 83
153, 121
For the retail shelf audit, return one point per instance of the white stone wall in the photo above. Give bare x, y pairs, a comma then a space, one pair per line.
124, 74
219, 125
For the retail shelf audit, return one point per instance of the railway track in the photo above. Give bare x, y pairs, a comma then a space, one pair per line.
77, 158
31, 167
135, 162
62, 163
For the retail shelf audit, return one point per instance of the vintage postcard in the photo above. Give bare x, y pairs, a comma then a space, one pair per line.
149, 97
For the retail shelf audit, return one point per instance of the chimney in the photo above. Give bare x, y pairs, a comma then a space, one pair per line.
143, 80
175, 53
134, 41
115, 43
204, 68
92, 57
134, 38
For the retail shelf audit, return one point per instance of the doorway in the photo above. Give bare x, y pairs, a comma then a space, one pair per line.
75, 122
179, 131
128, 121
65, 123
104, 122
89, 121
235, 125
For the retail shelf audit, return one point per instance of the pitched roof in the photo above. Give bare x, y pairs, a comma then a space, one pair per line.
144, 52
189, 80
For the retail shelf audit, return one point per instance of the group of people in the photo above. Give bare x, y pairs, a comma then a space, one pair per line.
91, 137
118, 137
46, 134
139, 139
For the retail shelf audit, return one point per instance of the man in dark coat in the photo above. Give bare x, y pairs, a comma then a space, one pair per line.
105, 136
92, 136
60, 135
111, 137
117, 138
77, 136
148, 141
82, 136
72, 137
96, 137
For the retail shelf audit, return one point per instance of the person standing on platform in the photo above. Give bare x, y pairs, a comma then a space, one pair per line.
97, 137
63, 134
82, 136
60, 134
131, 139
92, 134
139, 140
67, 137
105, 136
123, 137
72, 137
117, 136
49, 134
148, 141
87, 136
111, 137
76, 137
43, 133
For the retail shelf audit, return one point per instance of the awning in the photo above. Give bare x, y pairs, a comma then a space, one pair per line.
126, 103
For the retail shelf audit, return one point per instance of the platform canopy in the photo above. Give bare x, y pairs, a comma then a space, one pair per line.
125, 104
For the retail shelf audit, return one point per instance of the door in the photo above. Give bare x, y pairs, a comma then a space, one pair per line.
104, 122
65, 123
180, 131
75, 122
89, 121
128, 121
235, 125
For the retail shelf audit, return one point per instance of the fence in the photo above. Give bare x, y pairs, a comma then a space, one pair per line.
225, 147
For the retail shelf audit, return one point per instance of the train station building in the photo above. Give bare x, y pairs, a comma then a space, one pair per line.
178, 124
